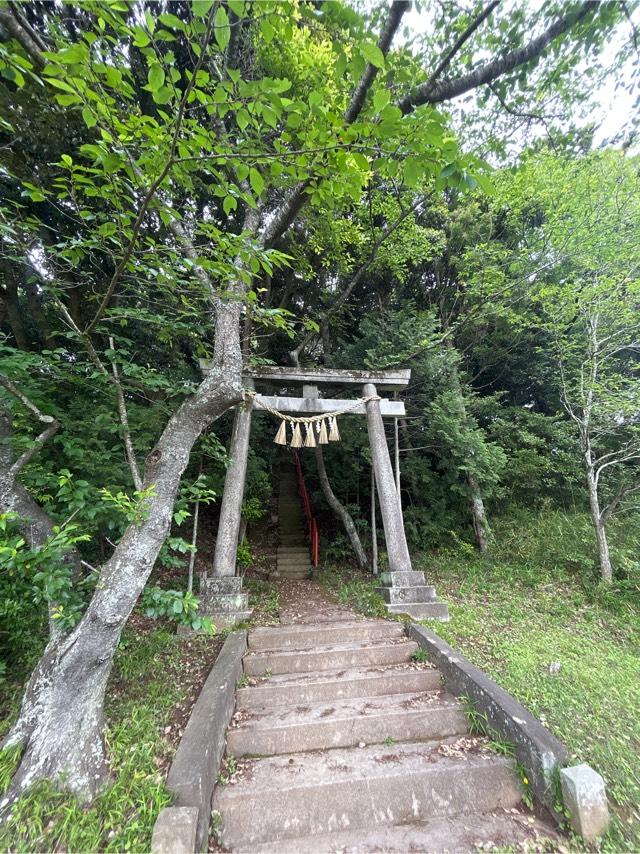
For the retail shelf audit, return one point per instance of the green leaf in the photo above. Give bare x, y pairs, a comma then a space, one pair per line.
372, 53
270, 116
381, 99
242, 118
412, 171
222, 28
156, 76
141, 39
230, 204
89, 119
201, 8
257, 181
170, 20
237, 7
267, 29
163, 95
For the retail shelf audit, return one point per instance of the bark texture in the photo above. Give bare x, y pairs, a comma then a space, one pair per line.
340, 510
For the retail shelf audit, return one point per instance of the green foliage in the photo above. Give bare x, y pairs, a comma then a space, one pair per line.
354, 589
134, 510
34, 581
244, 554
176, 605
150, 680
533, 603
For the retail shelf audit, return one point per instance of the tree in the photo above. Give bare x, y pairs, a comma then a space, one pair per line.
585, 296
195, 135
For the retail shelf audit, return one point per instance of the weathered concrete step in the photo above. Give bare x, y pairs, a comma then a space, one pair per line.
329, 657
327, 685
297, 795
346, 723
294, 551
301, 575
422, 610
399, 595
464, 834
310, 635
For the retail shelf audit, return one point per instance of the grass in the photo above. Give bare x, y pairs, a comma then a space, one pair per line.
155, 676
526, 607
537, 601
353, 589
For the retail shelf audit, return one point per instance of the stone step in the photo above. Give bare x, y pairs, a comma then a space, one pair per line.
306, 635
293, 575
302, 557
465, 834
346, 723
422, 610
329, 657
297, 539
285, 689
291, 795
399, 595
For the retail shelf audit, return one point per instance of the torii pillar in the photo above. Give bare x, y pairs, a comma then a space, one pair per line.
221, 593
404, 590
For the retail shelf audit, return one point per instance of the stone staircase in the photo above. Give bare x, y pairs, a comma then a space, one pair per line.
342, 742
293, 559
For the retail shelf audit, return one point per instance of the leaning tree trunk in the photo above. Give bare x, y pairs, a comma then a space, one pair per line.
604, 559
60, 726
478, 514
340, 510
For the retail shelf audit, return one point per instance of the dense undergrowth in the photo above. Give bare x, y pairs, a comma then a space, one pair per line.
536, 601
155, 679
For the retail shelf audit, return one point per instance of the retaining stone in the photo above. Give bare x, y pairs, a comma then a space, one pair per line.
585, 798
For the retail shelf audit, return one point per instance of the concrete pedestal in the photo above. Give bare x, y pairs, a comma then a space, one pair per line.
408, 593
222, 599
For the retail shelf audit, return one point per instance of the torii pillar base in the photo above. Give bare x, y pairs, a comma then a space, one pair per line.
408, 593
222, 599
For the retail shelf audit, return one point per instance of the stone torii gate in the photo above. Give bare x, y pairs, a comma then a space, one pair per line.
404, 590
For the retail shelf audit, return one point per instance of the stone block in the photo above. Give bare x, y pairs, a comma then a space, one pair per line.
175, 831
195, 766
409, 595
222, 584
402, 579
585, 798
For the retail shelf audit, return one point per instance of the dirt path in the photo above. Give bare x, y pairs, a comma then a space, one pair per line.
308, 602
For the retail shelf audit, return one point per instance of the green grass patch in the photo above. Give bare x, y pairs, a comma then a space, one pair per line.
154, 673
527, 606
354, 589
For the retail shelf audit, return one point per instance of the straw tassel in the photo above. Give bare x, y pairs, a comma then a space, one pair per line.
296, 441
334, 435
310, 441
281, 435
322, 435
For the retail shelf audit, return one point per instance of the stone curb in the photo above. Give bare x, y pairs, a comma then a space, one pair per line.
536, 748
195, 766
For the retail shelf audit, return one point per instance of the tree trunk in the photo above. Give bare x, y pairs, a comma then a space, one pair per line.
60, 725
478, 515
340, 510
606, 570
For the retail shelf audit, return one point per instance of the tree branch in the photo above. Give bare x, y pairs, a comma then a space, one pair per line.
291, 206
52, 427
436, 93
462, 39
124, 421
19, 33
